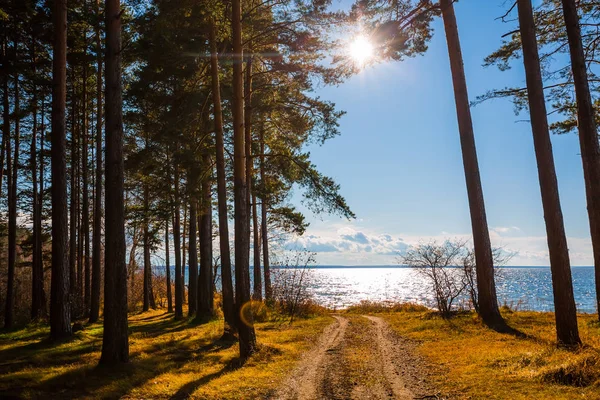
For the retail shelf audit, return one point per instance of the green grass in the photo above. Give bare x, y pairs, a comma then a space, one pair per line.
169, 359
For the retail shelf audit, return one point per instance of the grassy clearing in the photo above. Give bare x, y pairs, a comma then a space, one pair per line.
169, 359
475, 362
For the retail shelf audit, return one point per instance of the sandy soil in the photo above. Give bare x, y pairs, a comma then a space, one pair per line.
358, 360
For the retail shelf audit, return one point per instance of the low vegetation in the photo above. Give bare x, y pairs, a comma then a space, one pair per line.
174, 359
472, 361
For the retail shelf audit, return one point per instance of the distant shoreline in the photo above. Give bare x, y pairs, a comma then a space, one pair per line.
405, 267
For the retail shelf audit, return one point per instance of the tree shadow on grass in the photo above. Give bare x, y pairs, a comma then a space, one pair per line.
189, 388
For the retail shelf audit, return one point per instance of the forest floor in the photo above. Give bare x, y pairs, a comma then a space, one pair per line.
169, 359
367, 352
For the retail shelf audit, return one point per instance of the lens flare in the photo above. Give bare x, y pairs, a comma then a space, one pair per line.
361, 50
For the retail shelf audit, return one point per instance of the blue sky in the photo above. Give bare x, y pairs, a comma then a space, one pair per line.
399, 164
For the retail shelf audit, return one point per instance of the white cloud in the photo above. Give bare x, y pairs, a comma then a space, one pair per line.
349, 244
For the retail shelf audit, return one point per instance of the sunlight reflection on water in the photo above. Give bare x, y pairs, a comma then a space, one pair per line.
525, 288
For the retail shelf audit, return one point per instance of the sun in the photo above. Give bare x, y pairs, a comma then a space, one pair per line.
361, 50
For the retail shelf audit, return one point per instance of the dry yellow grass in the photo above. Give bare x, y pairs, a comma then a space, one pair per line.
169, 359
475, 362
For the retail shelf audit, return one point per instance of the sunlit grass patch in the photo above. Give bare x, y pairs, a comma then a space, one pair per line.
476, 362
169, 358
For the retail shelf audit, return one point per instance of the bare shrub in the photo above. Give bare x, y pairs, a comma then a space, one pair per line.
291, 279
435, 263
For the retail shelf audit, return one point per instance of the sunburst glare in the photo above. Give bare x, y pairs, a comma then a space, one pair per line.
361, 50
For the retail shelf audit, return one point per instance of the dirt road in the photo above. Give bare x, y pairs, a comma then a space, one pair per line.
359, 357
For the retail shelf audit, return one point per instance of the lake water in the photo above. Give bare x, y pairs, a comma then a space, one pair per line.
525, 288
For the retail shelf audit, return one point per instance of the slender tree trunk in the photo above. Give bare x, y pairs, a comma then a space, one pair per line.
5, 116
257, 244
115, 344
193, 264
263, 221
205, 286
37, 267
183, 251
247, 337
168, 268
257, 293
226, 281
60, 307
39, 300
97, 230
12, 214
5, 120
588, 135
85, 218
147, 266
177, 246
488, 302
73, 205
564, 301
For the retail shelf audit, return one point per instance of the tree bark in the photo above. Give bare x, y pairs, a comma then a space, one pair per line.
73, 205
37, 267
168, 268
564, 301
97, 230
177, 245
147, 265
257, 244
205, 286
247, 337
115, 343
226, 281
488, 301
12, 213
85, 217
263, 221
588, 135
193, 264
60, 307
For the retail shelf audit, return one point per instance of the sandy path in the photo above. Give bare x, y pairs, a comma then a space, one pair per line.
305, 381
359, 359
405, 371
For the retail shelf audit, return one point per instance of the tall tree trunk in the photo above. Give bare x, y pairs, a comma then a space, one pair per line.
183, 251
97, 230
564, 301
5, 116
247, 336
85, 218
73, 204
257, 293
12, 214
115, 344
193, 264
37, 267
205, 281
60, 307
147, 266
226, 281
5, 120
588, 135
177, 246
168, 268
263, 221
257, 244
488, 302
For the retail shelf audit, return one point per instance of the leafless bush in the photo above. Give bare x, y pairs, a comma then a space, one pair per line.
291, 279
435, 263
